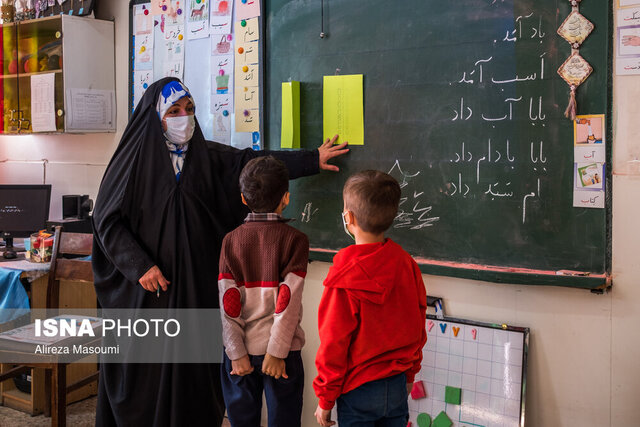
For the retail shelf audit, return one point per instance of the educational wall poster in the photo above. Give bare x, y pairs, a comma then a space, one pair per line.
589, 130
221, 108
221, 44
222, 71
589, 161
221, 16
222, 77
247, 120
472, 374
343, 109
626, 3
628, 41
588, 199
198, 19
248, 30
143, 19
246, 9
175, 37
141, 81
173, 51
143, 38
159, 7
247, 90
143, 54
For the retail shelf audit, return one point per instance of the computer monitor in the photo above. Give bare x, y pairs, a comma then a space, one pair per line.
24, 209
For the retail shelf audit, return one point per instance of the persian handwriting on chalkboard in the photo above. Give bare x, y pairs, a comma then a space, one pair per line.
308, 212
417, 215
496, 160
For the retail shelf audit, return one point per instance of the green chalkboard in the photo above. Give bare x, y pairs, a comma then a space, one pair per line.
486, 163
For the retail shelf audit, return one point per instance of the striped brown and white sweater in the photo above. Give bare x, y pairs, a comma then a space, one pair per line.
263, 264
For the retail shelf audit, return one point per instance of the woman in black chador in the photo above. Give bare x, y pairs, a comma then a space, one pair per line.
167, 199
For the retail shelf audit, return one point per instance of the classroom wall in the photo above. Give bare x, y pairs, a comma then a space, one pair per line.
583, 368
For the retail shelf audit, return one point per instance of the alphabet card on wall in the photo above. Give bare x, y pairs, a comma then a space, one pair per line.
472, 373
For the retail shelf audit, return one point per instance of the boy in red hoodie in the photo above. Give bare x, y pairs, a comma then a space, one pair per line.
372, 314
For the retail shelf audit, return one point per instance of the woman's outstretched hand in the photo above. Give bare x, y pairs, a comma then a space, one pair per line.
328, 151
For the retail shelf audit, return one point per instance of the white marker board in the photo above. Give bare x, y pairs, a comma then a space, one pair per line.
486, 361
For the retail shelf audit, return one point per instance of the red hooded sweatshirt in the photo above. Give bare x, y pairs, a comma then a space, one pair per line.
371, 319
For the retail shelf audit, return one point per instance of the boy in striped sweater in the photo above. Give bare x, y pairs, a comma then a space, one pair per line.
262, 268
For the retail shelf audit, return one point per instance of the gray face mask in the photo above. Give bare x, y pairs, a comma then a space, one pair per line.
346, 229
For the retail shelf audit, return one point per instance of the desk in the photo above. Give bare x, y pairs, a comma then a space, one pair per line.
72, 295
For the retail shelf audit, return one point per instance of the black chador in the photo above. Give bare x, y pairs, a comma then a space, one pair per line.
143, 217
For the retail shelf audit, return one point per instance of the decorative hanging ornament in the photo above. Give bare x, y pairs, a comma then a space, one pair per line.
575, 29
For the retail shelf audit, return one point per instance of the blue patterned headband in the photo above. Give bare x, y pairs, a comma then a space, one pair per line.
171, 93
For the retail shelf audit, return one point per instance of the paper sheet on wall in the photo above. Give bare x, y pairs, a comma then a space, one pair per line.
141, 81
246, 53
165, 7
173, 51
220, 16
143, 54
589, 138
221, 64
222, 104
90, 109
198, 19
290, 130
221, 44
628, 41
222, 108
248, 9
43, 114
222, 128
247, 120
342, 107
143, 22
248, 32
246, 76
247, 98
222, 74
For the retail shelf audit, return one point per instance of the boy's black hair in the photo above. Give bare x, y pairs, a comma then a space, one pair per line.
263, 182
373, 197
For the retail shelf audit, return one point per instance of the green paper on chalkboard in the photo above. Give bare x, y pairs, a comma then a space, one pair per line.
424, 420
442, 420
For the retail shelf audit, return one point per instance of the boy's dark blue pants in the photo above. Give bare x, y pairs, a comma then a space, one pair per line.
380, 403
243, 395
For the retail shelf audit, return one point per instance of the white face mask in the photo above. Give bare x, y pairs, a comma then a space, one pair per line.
344, 224
180, 129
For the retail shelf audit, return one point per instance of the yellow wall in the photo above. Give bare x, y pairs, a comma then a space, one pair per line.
583, 366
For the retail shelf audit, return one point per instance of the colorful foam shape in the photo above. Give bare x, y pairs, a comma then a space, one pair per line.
452, 395
443, 326
442, 420
418, 391
424, 420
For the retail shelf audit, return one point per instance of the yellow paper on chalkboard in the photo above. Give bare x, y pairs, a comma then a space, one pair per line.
290, 133
342, 108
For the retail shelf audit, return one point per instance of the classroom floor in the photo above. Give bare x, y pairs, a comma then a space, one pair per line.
79, 414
